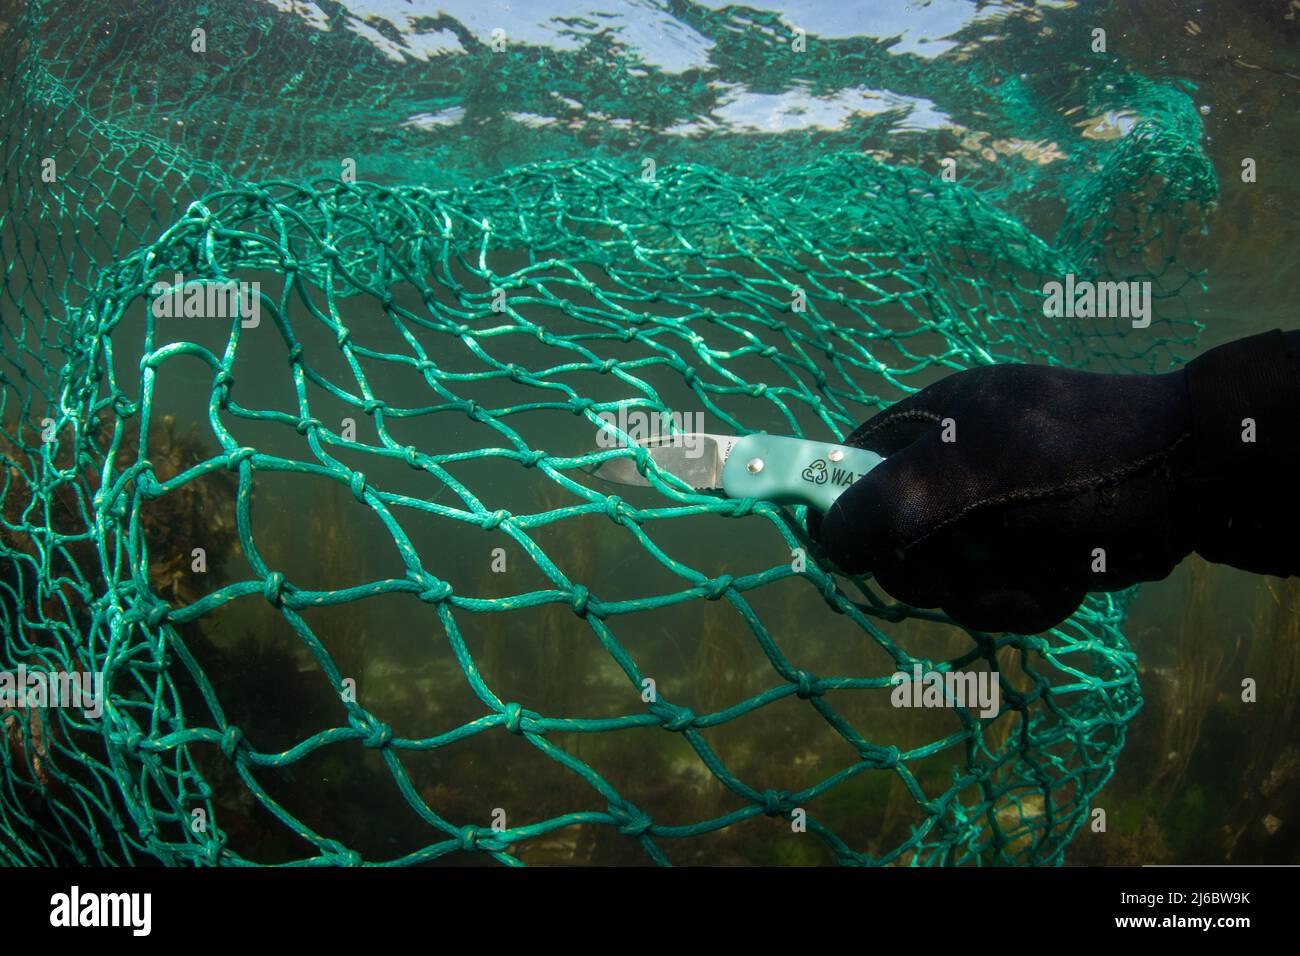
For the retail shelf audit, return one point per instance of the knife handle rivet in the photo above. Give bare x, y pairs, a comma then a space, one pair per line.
836, 455
754, 466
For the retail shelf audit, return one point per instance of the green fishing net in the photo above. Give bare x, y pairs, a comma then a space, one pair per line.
334, 548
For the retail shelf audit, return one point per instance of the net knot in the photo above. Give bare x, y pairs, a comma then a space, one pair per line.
295, 353
580, 404
157, 614
494, 520
123, 407
777, 803
341, 855
672, 717
617, 510
358, 486
514, 718
882, 758
808, 685
213, 850
607, 366
146, 483
469, 837
717, 587
435, 590
893, 613
238, 457
758, 389
378, 734
632, 821
371, 405
304, 424
273, 588
411, 456
221, 385
532, 458
579, 598
231, 740
740, 507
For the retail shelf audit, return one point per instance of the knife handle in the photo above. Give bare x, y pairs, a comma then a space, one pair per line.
793, 471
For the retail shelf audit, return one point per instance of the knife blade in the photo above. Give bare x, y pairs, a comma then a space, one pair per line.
776, 468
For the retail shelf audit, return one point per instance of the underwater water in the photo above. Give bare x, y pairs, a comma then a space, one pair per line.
423, 632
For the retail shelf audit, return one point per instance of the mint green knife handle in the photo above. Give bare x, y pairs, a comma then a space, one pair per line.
793, 471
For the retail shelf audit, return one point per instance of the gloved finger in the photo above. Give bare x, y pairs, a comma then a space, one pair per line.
897, 427
929, 573
980, 584
913, 583
905, 422
1014, 609
881, 513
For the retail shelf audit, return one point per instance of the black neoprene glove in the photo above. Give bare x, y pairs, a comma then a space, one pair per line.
1010, 491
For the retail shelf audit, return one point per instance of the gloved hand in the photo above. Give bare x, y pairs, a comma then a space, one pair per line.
1010, 491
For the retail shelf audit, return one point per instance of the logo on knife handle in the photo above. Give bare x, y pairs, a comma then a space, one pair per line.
816, 472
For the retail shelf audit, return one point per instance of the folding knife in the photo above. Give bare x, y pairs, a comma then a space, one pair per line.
776, 468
